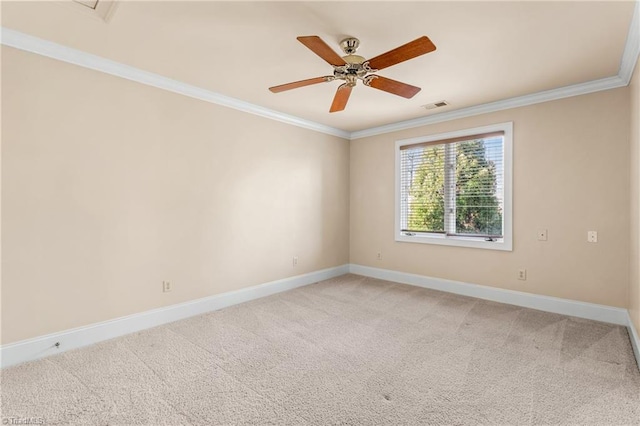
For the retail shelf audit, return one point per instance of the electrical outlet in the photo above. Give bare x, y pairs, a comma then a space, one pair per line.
542, 235
379, 256
522, 274
592, 236
295, 261
166, 286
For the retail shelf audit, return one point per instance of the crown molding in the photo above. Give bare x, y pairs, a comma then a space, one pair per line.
625, 72
631, 48
520, 101
49, 49
42, 47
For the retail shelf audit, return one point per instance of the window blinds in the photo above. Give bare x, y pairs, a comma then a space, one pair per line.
453, 187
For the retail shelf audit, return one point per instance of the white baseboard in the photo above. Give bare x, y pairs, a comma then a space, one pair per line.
635, 339
39, 347
556, 305
592, 311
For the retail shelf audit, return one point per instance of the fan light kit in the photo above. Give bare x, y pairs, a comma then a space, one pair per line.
352, 67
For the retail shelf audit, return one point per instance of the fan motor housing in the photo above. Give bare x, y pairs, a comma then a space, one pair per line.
353, 59
355, 66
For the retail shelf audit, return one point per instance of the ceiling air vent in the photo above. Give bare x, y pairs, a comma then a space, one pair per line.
435, 105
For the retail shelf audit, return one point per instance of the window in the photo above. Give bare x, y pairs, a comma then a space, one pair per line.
455, 188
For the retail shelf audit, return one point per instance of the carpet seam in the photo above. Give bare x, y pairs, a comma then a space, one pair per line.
240, 381
89, 388
191, 420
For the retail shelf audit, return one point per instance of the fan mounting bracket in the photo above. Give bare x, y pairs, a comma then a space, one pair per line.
349, 45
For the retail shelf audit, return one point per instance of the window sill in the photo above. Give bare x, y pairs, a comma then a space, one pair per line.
503, 244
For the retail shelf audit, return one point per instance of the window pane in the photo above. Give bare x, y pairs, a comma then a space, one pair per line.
422, 189
479, 186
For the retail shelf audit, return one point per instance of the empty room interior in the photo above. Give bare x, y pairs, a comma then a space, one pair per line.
313, 213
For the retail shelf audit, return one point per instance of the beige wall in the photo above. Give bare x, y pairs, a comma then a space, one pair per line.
634, 288
571, 175
110, 187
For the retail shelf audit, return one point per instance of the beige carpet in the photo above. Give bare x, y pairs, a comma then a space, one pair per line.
352, 351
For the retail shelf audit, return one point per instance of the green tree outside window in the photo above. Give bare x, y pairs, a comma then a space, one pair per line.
477, 207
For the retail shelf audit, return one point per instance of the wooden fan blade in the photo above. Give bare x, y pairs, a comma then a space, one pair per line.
296, 84
320, 48
341, 98
394, 87
414, 48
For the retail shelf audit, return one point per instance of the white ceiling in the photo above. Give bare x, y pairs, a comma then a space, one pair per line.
486, 51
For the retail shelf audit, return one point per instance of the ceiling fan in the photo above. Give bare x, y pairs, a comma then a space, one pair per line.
352, 68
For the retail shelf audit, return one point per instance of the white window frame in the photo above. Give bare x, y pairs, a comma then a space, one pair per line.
506, 242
